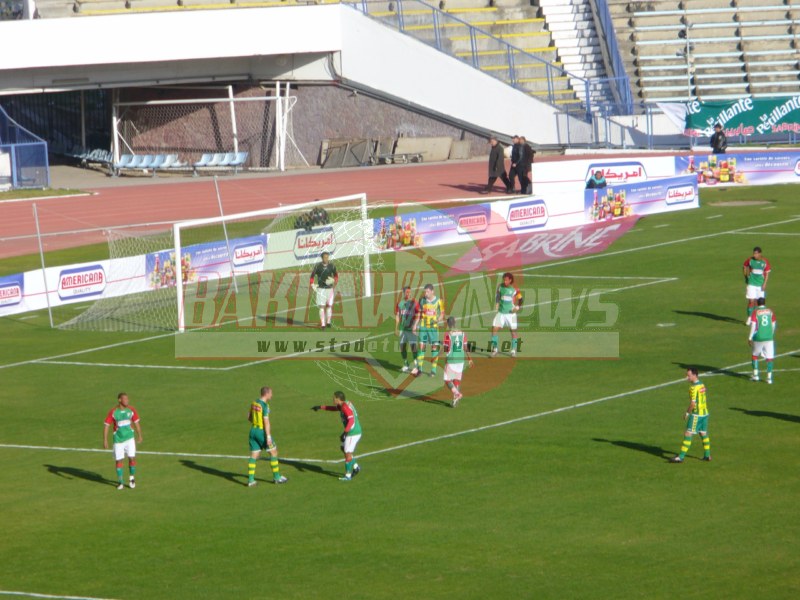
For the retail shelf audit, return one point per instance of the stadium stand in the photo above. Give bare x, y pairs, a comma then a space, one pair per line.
709, 49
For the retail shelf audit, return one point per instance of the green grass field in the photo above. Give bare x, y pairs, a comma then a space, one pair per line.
550, 480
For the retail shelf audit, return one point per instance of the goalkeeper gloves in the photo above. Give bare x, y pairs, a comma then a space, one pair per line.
316, 408
330, 281
314, 286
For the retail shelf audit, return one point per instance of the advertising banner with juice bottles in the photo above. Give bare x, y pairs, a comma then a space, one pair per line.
757, 168
645, 198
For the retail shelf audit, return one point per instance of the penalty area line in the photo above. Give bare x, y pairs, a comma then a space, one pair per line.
36, 595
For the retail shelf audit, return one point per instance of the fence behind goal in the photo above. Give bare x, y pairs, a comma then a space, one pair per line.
209, 272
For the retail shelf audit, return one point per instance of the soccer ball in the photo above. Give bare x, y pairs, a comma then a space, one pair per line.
415, 372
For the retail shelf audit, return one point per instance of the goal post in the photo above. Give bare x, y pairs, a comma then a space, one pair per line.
294, 236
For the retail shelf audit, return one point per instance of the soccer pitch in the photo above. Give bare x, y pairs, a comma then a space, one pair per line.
550, 480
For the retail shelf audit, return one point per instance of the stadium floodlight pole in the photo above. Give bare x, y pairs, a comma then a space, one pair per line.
44, 272
227, 239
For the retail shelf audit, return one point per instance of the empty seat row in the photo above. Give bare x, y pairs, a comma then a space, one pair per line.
221, 160
147, 161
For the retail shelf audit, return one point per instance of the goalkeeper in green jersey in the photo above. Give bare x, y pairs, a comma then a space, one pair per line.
762, 337
323, 280
696, 417
508, 301
261, 438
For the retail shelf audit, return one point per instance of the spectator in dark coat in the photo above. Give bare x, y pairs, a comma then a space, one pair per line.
525, 166
497, 167
719, 143
596, 181
516, 155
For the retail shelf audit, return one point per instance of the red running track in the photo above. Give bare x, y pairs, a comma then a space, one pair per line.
177, 201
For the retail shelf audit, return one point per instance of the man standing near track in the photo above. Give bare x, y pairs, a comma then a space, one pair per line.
326, 278
124, 418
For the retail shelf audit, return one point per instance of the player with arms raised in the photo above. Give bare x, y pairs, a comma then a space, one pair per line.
762, 337
124, 418
432, 308
406, 318
508, 301
351, 434
455, 348
756, 273
323, 280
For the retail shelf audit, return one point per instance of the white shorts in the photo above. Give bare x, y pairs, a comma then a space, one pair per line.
754, 292
350, 443
505, 320
127, 447
765, 349
324, 297
453, 371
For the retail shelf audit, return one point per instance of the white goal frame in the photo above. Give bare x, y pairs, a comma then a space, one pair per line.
366, 231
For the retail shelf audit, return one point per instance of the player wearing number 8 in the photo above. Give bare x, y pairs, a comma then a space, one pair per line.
323, 279
762, 337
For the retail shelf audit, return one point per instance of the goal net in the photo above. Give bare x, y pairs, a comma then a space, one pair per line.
262, 126
243, 268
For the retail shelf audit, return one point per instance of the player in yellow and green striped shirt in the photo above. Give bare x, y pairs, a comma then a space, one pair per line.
431, 314
261, 438
696, 417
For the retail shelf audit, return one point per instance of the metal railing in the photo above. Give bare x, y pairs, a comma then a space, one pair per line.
621, 85
494, 56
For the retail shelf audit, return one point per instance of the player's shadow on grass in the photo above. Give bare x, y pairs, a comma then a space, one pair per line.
304, 467
770, 414
647, 449
237, 478
711, 316
708, 369
73, 473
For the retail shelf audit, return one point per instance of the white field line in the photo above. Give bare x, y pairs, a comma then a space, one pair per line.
128, 366
760, 233
713, 217
427, 440
660, 226
35, 595
526, 269
769, 207
45, 361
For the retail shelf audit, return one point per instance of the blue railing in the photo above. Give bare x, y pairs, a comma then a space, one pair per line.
487, 52
619, 79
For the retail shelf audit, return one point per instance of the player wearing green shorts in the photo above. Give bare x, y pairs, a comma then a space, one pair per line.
508, 301
406, 318
124, 418
762, 338
432, 313
696, 417
261, 438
